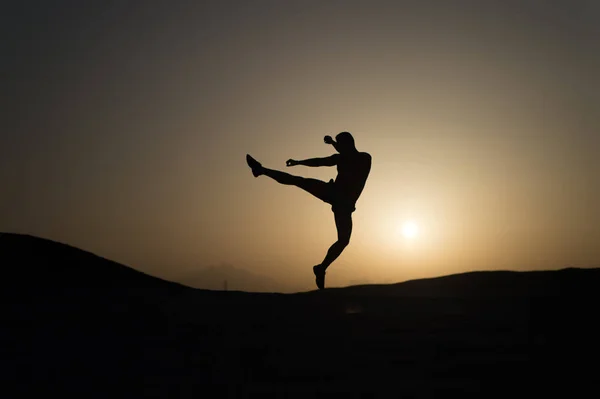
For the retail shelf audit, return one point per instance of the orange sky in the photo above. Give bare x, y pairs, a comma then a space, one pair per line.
129, 125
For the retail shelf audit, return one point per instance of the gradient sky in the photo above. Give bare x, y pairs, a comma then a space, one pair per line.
126, 125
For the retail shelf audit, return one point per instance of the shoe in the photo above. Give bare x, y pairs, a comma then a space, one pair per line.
320, 276
254, 165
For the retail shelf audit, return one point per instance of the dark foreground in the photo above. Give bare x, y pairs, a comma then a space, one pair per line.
77, 325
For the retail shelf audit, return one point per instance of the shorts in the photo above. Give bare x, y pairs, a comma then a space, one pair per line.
338, 202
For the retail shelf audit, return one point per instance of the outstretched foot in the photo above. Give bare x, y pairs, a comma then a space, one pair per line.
320, 276
256, 167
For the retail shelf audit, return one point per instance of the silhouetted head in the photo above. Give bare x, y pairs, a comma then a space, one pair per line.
345, 142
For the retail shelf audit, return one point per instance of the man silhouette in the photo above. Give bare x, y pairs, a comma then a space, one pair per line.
353, 169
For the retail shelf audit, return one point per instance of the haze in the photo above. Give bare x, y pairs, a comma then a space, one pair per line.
126, 126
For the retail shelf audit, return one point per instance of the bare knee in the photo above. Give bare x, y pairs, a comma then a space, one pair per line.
343, 241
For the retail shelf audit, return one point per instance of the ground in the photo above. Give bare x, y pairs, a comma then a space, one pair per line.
88, 327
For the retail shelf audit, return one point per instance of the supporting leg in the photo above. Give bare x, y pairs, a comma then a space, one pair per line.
343, 223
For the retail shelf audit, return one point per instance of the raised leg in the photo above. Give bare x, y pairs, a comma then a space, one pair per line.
316, 187
282, 177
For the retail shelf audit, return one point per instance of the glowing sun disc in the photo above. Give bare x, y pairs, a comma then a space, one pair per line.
410, 230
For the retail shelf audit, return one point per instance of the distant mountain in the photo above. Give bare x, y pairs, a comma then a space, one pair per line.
228, 277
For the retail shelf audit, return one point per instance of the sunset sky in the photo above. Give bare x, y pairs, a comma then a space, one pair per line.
126, 125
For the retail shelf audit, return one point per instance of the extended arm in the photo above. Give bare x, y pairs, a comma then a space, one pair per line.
327, 161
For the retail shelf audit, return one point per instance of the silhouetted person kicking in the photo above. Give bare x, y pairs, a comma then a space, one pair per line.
353, 169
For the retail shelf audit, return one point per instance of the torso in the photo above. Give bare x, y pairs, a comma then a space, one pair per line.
353, 170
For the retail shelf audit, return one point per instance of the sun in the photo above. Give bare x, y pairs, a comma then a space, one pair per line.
410, 230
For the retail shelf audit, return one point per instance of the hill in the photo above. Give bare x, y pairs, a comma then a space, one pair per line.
38, 268
78, 325
545, 283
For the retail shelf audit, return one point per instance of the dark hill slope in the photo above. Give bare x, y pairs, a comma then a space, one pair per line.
75, 323
37, 269
490, 284
78, 325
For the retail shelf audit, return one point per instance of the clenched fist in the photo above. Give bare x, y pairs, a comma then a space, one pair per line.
329, 140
